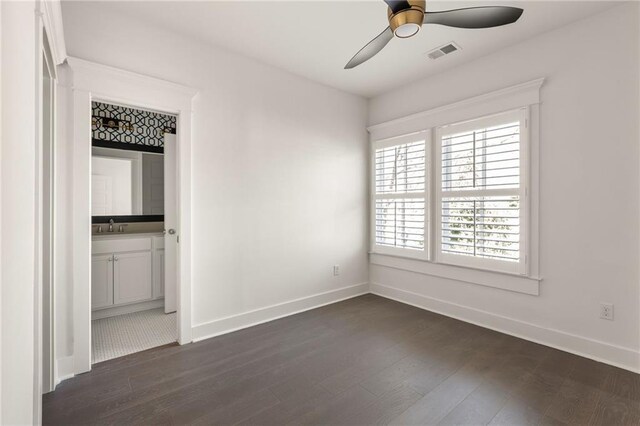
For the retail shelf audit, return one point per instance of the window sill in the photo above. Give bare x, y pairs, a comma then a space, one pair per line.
505, 281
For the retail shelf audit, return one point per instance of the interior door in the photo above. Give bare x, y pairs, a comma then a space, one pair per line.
171, 236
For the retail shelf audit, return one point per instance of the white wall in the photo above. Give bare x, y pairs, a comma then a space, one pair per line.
589, 169
18, 212
279, 168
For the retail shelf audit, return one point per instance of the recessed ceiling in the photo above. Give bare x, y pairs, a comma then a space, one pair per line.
315, 39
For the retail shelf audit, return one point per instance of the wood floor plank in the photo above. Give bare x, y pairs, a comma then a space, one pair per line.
574, 403
439, 402
615, 410
384, 408
338, 409
367, 360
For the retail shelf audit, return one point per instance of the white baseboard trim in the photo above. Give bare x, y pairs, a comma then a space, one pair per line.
127, 309
64, 369
273, 312
617, 356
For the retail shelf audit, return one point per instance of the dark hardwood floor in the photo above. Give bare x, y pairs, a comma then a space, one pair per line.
363, 361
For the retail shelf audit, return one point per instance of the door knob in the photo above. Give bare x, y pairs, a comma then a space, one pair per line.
172, 231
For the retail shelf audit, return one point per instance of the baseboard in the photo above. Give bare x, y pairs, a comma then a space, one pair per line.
617, 356
273, 312
126, 309
64, 369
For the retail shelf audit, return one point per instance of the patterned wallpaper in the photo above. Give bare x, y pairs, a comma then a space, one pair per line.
112, 123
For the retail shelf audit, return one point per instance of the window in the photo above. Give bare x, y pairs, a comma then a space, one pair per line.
400, 195
480, 193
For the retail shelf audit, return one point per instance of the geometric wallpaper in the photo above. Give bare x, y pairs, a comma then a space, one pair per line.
112, 123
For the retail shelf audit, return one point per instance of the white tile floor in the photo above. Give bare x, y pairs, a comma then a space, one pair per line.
125, 334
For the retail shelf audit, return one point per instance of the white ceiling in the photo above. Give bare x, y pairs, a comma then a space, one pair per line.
315, 39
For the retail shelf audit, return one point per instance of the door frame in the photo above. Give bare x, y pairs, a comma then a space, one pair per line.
46, 214
92, 81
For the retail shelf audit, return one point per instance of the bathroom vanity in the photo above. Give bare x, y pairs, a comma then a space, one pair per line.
127, 273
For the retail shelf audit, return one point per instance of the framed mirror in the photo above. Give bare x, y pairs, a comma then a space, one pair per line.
127, 163
126, 186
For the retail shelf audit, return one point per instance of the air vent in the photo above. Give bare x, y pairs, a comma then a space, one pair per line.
443, 50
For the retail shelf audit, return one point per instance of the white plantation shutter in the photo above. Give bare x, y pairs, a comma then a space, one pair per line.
399, 187
481, 193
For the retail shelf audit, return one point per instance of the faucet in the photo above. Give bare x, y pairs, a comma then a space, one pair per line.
111, 222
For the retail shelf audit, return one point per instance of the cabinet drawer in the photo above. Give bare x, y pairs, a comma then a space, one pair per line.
120, 245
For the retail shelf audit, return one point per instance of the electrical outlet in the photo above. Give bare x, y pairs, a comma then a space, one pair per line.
606, 311
336, 270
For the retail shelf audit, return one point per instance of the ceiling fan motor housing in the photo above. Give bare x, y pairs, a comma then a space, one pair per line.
410, 19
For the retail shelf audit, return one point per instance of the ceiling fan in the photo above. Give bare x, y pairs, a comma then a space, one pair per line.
406, 17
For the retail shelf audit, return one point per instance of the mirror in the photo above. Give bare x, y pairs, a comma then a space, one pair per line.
126, 183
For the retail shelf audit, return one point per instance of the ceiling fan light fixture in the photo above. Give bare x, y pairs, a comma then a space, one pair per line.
407, 23
407, 30
406, 17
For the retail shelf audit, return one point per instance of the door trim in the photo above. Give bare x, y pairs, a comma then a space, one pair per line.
92, 81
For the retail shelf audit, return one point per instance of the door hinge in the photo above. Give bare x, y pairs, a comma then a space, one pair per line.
178, 239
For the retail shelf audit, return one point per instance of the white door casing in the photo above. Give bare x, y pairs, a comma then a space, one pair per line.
93, 81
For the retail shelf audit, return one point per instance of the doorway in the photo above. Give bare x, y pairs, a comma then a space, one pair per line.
133, 267
92, 81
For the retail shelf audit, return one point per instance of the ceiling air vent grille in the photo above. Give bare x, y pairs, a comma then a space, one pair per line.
443, 50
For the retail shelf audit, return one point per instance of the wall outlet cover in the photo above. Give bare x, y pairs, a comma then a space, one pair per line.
606, 311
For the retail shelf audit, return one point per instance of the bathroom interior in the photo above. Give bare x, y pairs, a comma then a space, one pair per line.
133, 288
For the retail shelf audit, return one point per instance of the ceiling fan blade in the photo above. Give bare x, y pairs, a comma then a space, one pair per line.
371, 49
397, 5
475, 17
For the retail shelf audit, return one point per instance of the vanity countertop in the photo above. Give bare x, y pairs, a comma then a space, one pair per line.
130, 228
118, 235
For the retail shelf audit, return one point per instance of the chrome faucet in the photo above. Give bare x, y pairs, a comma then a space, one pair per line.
111, 222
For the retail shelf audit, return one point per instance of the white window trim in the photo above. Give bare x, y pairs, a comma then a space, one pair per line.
385, 143
520, 267
510, 98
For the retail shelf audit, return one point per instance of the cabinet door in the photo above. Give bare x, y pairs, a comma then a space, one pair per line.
131, 277
101, 281
158, 273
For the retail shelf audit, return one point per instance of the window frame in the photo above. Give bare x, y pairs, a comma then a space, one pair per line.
494, 265
424, 254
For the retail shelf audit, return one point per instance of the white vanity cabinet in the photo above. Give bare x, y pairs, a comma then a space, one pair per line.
127, 273
101, 281
131, 277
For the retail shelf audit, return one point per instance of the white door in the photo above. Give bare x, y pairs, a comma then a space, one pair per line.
132, 277
170, 225
101, 281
